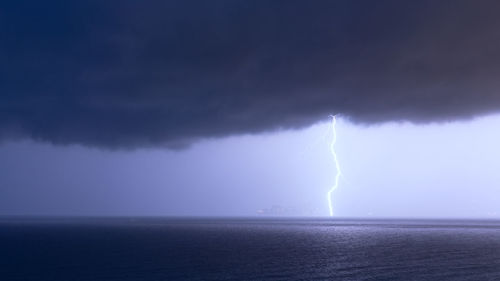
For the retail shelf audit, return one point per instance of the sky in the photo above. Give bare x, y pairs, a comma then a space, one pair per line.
391, 170
216, 107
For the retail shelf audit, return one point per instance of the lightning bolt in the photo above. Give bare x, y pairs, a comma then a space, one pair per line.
337, 165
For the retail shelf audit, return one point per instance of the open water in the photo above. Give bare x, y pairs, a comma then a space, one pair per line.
247, 249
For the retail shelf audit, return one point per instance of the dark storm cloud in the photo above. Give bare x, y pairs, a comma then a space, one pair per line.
145, 73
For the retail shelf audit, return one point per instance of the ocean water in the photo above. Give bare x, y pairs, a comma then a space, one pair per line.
247, 249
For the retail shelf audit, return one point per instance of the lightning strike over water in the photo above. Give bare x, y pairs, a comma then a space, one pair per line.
337, 165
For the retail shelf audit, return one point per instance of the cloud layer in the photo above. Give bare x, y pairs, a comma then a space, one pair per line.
119, 74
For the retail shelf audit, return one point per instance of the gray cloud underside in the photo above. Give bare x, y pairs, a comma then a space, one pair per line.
120, 74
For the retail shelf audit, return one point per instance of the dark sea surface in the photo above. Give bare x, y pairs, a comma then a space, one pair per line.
247, 249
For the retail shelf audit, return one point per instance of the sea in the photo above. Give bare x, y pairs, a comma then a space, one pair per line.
72, 249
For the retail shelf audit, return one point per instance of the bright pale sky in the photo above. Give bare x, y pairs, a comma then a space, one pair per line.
389, 170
